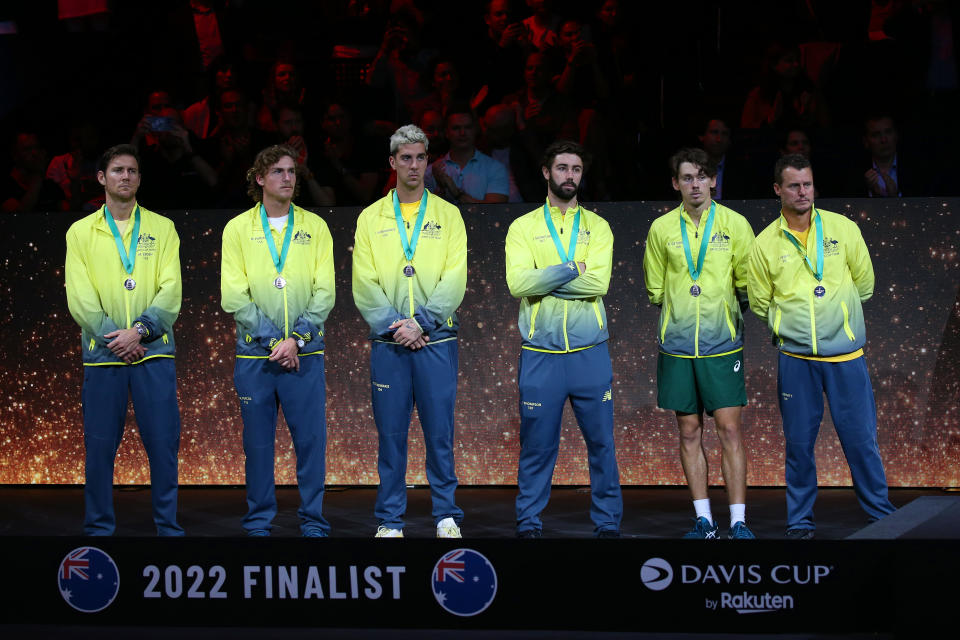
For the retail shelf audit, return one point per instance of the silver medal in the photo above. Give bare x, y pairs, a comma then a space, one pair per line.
695, 290
279, 283
129, 284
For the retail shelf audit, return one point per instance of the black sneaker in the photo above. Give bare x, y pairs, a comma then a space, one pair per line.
799, 534
530, 533
607, 533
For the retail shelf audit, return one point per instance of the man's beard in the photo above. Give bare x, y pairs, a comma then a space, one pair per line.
560, 192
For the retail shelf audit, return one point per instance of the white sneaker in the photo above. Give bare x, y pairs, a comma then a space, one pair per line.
447, 528
385, 532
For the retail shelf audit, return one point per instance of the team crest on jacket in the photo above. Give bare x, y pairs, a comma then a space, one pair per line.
430, 230
464, 582
146, 245
88, 579
831, 247
301, 237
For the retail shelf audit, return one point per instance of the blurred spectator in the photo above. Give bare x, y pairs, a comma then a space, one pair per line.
76, 170
445, 89
231, 148
431, 123
25, 188
581, 78
544, 114
733, 178
179, 177
350, 163
201, 117
889, 173
497, 63
501, 143
464, 174
400, 62
796, 141
542, 25
785, 96
283, 89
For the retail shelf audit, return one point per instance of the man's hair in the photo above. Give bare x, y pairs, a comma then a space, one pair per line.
116, 151
792, 161
408, 134
873, 116
564, 146
459, 107
266, 159
697, 157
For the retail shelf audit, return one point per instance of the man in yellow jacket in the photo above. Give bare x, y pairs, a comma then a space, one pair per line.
277, 280
123, 289
409, 277
809, 272
695, 269
559, 257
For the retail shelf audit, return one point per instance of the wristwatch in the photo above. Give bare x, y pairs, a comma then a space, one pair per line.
141, 328
300, 343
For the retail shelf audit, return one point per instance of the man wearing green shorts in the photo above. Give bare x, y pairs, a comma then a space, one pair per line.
695, 267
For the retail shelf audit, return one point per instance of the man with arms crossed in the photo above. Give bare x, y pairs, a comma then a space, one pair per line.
695, 269
277, 280
123, 289
409, 277
809, 272
559, 257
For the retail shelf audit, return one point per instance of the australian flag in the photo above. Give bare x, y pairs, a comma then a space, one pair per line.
88, 579
464, 582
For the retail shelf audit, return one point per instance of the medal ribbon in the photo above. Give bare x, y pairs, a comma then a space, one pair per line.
278, 260
127, 258
409, 246
569, 254
818, 272
701, 258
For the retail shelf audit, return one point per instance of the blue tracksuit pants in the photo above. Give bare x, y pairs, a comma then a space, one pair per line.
262, 387
401, 378
800, 388
106, 391
546, 381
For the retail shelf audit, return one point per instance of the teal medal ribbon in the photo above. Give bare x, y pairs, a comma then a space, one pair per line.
568, 255
128, 258
696, 270
409, 246
819, 291
279, 260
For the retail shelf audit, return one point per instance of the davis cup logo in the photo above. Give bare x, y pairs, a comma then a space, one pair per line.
464, 582
88, 579
656, 574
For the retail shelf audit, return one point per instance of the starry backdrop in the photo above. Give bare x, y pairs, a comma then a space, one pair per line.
913, 350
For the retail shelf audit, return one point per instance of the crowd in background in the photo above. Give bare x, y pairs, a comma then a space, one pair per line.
867, 88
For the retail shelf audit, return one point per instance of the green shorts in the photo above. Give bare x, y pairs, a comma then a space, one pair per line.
692, 385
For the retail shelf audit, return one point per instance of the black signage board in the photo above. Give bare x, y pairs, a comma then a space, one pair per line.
638, 585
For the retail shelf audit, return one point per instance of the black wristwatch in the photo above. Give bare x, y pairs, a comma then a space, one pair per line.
141, 328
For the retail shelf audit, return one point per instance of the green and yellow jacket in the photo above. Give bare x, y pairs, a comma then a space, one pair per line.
383, 294
95, 276
782, 288
710, 324
561, 309
264, 314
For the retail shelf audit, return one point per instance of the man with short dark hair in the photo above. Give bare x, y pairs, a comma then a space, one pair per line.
558, 260
695, 270
409, 277
464, 174
124, 290
809, 272
277, 280
880, 139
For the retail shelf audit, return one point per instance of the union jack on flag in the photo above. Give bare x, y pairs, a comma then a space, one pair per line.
75, 563
450, 566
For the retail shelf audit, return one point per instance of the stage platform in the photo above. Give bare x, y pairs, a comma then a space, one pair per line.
893, 579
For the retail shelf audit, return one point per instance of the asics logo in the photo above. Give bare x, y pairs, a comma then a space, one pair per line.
736, 366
